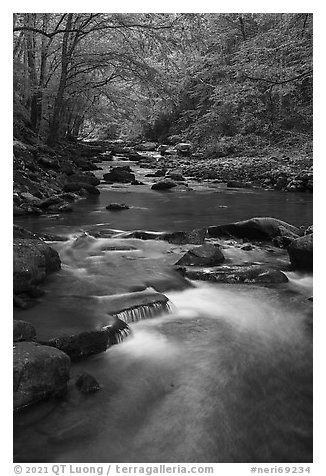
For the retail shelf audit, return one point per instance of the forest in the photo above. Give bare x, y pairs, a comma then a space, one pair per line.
230, 83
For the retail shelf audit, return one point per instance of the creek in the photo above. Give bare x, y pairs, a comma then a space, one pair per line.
225, 376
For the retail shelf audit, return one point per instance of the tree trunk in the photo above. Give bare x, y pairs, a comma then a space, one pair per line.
30, 44
42, 78
77, 126
55, 123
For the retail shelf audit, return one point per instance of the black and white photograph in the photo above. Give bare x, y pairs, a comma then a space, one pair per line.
162, 241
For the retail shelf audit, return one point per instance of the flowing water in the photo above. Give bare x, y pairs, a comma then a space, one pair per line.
222, 374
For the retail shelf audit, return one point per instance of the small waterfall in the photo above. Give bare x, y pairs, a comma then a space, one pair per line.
144, 311
118, 332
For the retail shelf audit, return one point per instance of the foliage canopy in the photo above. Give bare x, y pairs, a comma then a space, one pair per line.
223, 81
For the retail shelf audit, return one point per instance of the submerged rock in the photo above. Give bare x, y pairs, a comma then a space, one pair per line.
204, 255
117, 206
86, 383
301, 253
23, 331
253, 274
261, 228
39, 372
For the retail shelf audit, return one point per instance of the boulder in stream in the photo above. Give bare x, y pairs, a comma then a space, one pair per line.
121, 174
84, 178
81, 345
261, 228
204, 255
33, 259
163, 185
146, 147
39, 372
301, 253
78, 186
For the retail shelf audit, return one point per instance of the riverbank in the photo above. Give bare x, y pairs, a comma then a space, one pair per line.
273, 173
